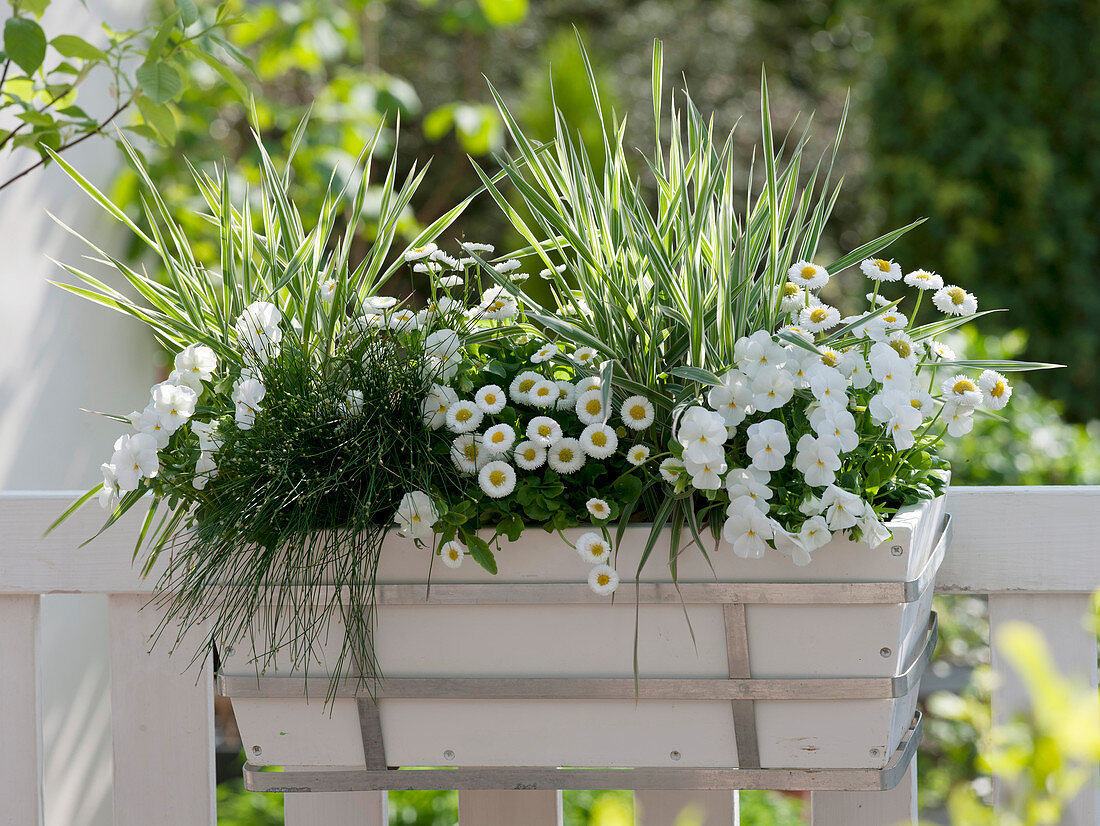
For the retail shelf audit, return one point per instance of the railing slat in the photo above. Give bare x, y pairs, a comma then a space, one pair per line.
897, 807
20, 712
336, 809
509, 808
1061, 620
665, 808
162, 721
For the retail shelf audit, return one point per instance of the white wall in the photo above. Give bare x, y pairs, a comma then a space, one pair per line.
59, 354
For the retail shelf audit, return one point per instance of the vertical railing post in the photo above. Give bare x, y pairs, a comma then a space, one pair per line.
336, 809
897, 807
1061, 618
509, 808
20, 712
699, 808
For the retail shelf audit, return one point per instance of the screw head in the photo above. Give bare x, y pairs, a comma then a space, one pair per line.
897, 550
448, 755
674, 755
884, 652
874, 752
256, 750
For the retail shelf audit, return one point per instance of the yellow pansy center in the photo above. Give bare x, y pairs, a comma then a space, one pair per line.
958, 295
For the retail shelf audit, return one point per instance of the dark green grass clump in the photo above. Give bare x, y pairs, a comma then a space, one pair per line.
296, 517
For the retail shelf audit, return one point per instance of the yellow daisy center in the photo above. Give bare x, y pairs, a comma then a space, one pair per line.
565, 455
603, 579
470, 452
963, 386
464, 414
453, 553
490, 399
915, 404
544, 430
790, 289
809, 272
902, 347
593, 407
883, 266
526, 385
498, 437
637, 412
958, 295
599, 438
543, 392
497, 477
829, 359
998, 389
530, 454
818, 315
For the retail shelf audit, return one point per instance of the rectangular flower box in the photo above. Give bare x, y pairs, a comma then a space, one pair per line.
758, 664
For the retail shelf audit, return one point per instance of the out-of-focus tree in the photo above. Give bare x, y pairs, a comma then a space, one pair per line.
985, 117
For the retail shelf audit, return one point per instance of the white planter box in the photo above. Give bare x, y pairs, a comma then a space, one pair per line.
540, 629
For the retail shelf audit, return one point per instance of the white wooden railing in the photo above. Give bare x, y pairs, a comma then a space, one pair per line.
1035, 551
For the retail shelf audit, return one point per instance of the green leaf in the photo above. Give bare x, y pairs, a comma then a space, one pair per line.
158, 117
503, 12
69, 45
189, 12
25, 43
35, 7
160, 81
438, 122
696, 374
482, 554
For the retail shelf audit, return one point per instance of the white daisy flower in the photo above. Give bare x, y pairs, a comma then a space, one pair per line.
420, 253
603, 580
793, 298
473, 246
940, 351
543, 430
877, 300
567, 395
491, 399
924, 280
566, 456
809, 276
448, 281
598, 509
521, 385
962, 390
416, 515
467, 454
463, 416
545, 353
529, 455
497, 479
498, 439
428, 267
497, 305
818, 319
995, 389
588, 383
444, 259
637, 412
590, 406
549, 275
583, 355
452, 553
671, 469
505, 267
375, 304
903, 346
543, 393
599, 441
637, 455
593, 548
878, 269
955, 301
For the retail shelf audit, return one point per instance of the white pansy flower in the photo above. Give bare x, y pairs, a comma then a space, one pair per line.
402, 320
603, 579
566, 456
195, 364
809, 276
148, 421
841, 508
888, 368
995, 389
961, 390
836, 423
748, 531
529, 455
874, 531
814, 534
637, 412
109, 493
583, 355
435, 405
521, 385
497, 478
598, 440
742, 482
959, 418
706, 475
421, 252
135, 457
353, 402
819, 319
442, 344
452, 553
593, 548
174, 403
955, 301
768, 445
853, 366
205, 470
879, 269
543, 430
467, 453
377, 304
247, 395
589, 407
755, 352
545, 353
924, 280
567, 395
703, 435
544, 393
491, 399
638, 455
771, 389
498, 439
817, 460
416, 515
830, 388
732, 399
258, 331
463, 416
327, 289
671, 469
207, 434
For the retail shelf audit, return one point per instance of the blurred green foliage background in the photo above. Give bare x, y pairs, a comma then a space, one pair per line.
983, 116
